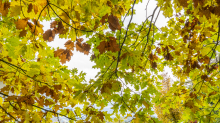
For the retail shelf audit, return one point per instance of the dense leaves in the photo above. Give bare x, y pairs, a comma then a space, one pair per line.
131, 57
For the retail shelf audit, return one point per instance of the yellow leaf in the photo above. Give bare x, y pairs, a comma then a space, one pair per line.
146, 104
1, 100
15, 10
64, 18
102, 105
80, 121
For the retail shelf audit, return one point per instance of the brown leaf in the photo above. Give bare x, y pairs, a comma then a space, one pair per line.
49, 35
109, 46
103, 20
151, 57
101, 115
212, 93
23, 33
47, 102
58, 52
101, 47
177, 53
158, 50
172, 47
79, 40
154, 65
37, 23
30, 7
30, 25
93, 56
64, 55
60, 28
53, 24
86, 48
79, 47
168, 56
123, 56
96, 25
69, 45
42, 89
112, 45
57, 87
113, 23
204, 77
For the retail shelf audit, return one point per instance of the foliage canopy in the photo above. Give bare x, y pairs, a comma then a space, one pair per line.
130, 57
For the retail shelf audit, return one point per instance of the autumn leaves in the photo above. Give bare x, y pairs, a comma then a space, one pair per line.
35, 27
65, 54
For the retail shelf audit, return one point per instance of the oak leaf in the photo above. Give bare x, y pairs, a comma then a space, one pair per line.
113, 23
101, 115
53, 24
79, 40
103, 20
109, 46
64, 55
69, 45
84, 48
101, 47
49, 35
154, 65
21, 23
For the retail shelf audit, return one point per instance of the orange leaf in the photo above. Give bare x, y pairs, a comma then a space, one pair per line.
58, 52
21, 24
79, 40
35, 9
79, 47
64, 55
158, 50
4, 8
69, 45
